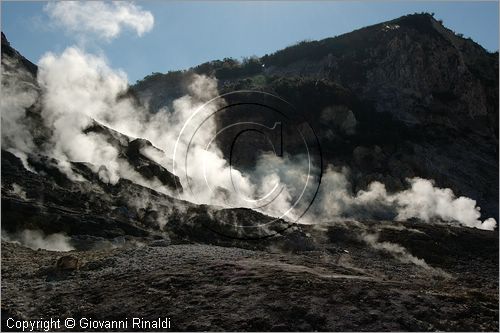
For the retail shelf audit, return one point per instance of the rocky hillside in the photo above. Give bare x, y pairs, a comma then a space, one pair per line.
78, 199
398, 99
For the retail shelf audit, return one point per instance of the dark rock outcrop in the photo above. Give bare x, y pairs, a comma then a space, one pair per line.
132, 150
11, 52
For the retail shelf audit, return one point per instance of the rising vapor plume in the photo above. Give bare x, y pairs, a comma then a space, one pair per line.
76, 88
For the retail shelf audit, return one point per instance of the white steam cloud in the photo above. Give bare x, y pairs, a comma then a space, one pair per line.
78, 88
35, 240
399, 252
102, 19
19, 92
18, 190
422, 200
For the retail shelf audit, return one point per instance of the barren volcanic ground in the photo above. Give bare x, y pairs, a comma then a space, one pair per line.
343, 284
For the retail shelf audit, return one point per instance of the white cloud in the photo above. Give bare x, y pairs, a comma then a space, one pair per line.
103, 19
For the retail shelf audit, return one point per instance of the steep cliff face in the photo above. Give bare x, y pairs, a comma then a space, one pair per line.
399, 99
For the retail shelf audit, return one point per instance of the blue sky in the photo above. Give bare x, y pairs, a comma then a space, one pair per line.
189, 33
